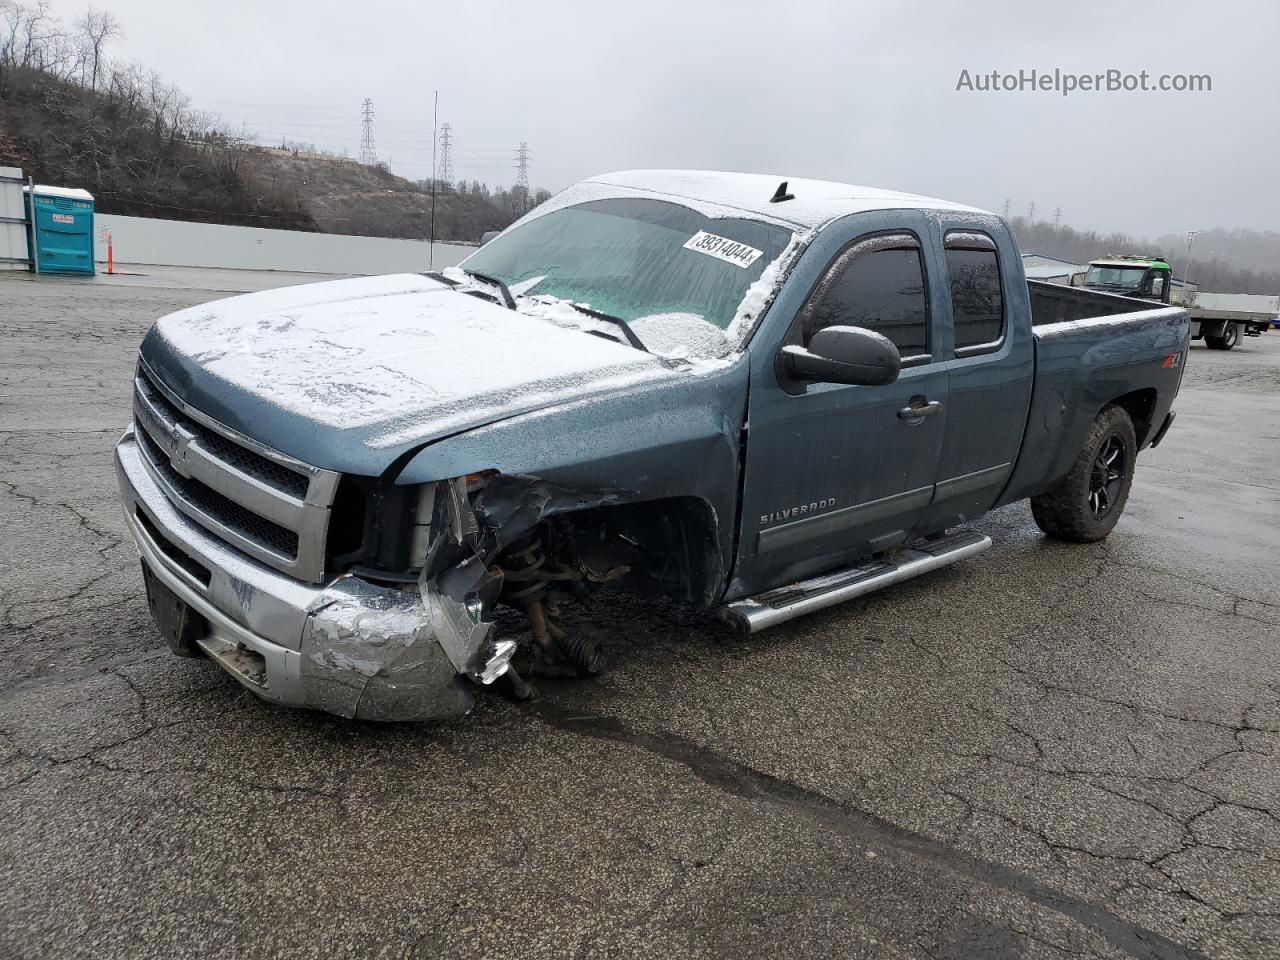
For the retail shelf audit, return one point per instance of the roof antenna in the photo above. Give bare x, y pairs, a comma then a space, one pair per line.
781, 194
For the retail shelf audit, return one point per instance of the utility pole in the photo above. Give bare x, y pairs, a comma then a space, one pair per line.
431, 229
444, 173
1186, 270
1057, 216
368, 155
1031, 212
1006, 208
522, 176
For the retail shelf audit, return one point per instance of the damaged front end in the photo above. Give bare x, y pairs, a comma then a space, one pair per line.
373, 653
378, 647
435, 587
505, 540
398, 649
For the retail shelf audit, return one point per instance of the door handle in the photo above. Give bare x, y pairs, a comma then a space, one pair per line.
918, 410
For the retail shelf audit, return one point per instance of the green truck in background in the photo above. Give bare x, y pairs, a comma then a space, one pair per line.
1220, 319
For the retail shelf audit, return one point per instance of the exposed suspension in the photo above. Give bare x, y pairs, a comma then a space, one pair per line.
535, 578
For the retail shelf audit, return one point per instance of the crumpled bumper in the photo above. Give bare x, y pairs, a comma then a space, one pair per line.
348, 647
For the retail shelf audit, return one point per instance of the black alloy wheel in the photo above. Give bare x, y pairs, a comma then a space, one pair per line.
1107, 476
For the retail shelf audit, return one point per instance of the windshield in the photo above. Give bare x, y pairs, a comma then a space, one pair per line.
1130, 278
676, 276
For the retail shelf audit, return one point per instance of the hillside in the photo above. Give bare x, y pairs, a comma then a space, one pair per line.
128, 145
70, 117
141, 154
342, 196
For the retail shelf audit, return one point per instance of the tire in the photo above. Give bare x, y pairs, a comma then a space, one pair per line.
1085, 505
1230, 337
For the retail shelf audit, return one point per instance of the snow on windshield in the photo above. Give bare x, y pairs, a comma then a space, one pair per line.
690, 287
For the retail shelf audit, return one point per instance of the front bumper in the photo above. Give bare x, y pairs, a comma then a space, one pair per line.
348, 647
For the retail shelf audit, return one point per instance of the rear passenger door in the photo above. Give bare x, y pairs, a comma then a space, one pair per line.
985, 345
835, 471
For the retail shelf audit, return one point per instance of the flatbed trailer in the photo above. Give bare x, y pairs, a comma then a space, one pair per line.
1221, 319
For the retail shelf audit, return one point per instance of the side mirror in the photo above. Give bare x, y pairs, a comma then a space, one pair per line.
844, 355
488, 235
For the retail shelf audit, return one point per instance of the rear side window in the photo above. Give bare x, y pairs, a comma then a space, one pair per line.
977, 301
879, 289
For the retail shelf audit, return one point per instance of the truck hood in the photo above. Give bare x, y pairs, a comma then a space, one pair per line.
351, 374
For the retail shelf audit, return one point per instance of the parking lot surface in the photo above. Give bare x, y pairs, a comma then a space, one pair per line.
1045, 751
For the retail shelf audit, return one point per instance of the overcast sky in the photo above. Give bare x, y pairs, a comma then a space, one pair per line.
856, 91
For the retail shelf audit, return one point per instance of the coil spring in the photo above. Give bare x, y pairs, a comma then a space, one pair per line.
533, 558
525, 586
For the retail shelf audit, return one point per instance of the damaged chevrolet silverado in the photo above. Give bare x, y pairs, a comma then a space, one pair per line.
756, 397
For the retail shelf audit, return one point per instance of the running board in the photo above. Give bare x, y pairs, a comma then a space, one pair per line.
795, 600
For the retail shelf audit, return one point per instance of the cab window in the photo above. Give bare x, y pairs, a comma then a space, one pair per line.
977, 299
878, 285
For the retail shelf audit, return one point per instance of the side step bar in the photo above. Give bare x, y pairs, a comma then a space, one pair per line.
795, 600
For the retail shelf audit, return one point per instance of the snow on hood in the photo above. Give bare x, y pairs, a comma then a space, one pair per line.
403, 356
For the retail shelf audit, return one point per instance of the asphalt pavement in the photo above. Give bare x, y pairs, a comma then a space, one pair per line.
1045, 751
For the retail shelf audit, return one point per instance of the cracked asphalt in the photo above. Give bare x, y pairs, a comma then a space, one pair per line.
1046, 751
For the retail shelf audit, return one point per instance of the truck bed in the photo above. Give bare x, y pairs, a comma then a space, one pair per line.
1053, 303
1091, 348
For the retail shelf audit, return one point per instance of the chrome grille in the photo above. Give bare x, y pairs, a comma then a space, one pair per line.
270, 536
270, 506
268, 471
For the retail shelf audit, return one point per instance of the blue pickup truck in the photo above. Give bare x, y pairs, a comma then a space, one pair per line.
374, 496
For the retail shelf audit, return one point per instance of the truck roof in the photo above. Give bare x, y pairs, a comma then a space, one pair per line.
816, 202
1128, 261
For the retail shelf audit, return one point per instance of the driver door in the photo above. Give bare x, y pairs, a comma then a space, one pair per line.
835, 472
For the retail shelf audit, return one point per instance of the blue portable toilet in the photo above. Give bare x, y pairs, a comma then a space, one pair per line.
60, 233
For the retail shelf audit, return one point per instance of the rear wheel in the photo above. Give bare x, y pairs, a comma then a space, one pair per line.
1086, 504
1230, 337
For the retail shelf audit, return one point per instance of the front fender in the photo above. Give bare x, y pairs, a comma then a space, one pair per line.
675, 438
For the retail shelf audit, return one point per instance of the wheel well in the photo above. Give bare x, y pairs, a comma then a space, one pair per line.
670, 544
1141, 407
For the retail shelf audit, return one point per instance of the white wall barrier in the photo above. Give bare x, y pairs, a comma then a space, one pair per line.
13, 217
177, 243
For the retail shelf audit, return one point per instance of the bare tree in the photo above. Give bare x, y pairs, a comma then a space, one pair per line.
96, 28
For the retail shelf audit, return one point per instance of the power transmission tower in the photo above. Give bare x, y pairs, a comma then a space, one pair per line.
368, 155
521, 190
1057, 216
522, 166
1006, 208
1031, 212
444, 172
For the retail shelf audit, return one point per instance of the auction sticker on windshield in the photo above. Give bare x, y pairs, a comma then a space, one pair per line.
722, 248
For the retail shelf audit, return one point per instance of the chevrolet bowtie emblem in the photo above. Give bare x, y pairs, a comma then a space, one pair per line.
178, 454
